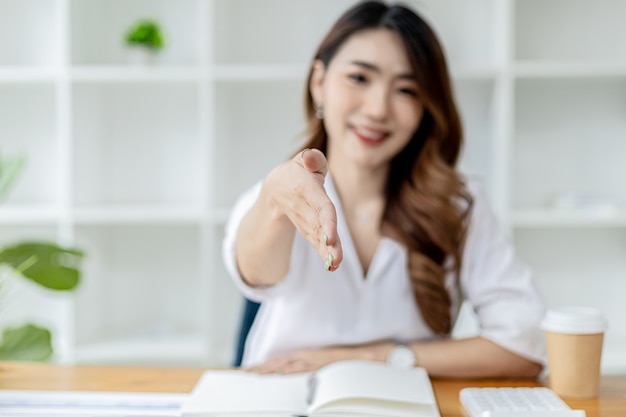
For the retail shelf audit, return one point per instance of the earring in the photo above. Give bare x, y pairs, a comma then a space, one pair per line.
319, 111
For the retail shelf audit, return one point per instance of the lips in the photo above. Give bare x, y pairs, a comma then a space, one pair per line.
370, 136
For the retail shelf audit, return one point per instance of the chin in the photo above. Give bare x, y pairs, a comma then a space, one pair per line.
370, 162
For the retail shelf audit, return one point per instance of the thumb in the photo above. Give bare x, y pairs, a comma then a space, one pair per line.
314, 161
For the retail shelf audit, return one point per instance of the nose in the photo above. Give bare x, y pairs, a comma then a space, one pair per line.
376, 105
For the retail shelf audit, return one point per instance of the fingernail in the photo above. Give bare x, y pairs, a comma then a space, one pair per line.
328, 262
325, 239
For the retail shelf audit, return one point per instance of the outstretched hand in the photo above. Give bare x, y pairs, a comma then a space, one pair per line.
305, 203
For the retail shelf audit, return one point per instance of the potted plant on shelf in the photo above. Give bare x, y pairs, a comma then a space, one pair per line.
45, 263
145, 40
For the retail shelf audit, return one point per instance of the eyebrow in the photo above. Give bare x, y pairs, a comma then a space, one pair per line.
374, 68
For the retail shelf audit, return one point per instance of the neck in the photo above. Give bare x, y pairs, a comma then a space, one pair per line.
361, 191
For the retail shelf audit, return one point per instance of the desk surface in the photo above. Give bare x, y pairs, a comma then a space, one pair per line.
37, 376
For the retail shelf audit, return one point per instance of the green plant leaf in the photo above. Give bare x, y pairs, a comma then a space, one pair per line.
9, 170
45, 263
146, 33
26, 343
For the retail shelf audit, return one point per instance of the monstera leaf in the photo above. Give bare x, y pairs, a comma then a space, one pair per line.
45, 263
51, 266
26, 343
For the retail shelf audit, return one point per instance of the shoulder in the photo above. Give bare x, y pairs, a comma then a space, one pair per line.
478, 204
484, 226
474, 185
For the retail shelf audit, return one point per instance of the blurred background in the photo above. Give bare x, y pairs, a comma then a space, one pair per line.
141, 121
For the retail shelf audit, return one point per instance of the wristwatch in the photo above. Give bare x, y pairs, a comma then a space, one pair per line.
401, 356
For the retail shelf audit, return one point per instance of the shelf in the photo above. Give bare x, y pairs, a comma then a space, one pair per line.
106, 74
27, 74
181, 350
551, 218
23, 215
137, 215
260, 72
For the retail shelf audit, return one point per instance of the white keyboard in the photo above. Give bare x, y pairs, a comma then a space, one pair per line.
515, 402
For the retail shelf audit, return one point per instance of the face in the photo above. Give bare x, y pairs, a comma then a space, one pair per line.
369, 98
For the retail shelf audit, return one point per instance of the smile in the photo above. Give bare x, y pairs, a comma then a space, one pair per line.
370, 137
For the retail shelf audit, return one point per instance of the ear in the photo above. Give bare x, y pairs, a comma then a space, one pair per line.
317, 80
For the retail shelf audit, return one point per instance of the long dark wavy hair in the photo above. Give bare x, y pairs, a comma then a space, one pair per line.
427, 203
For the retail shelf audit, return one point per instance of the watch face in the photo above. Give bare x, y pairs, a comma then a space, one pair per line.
401, 357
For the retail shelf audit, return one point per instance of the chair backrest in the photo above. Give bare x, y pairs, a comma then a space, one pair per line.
250, 309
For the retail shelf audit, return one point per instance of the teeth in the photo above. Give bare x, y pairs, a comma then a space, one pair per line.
370, 134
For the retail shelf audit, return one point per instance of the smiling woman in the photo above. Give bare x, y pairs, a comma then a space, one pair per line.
384, 137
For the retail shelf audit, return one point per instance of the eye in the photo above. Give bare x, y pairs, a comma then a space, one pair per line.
408, 91
357, 78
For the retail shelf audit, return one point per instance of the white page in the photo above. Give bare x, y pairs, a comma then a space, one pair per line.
224, 392
87, 403
371, 380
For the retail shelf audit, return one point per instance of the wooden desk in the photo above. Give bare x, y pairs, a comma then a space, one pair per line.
36, 376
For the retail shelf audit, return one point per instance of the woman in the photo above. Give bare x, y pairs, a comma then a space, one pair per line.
403, 238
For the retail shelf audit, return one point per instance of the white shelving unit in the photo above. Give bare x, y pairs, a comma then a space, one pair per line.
567, 202
139, 165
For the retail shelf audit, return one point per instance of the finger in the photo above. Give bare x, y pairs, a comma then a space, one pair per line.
322, 232
298, 366
314, 161
272, 366
337, 252
331, 243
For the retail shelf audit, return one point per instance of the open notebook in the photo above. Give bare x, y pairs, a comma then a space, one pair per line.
346, 388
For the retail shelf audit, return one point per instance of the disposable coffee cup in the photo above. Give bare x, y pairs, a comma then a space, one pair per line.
574, 338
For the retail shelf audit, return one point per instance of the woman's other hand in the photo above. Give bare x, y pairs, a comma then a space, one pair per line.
305, 360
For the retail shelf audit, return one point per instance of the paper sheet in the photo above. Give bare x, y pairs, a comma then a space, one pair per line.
88, 403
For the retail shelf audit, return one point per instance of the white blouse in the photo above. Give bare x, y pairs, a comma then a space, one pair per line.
312, 307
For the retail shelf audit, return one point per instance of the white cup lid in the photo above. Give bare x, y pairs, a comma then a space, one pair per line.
574, 320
